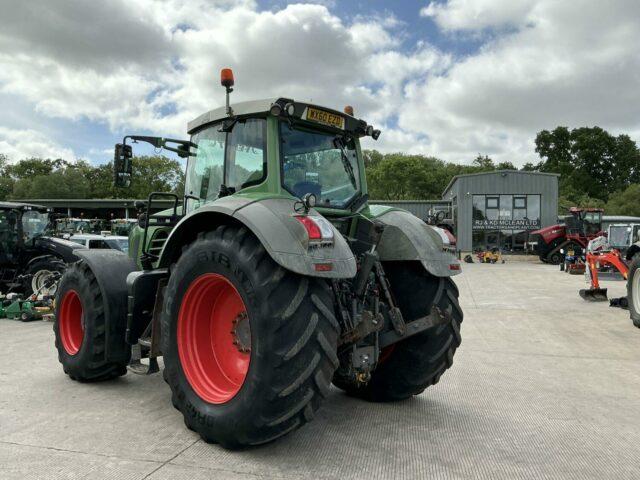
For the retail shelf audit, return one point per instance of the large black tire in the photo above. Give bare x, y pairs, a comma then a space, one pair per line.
82, 351
409, 367
48, 263
633, 290
293, 341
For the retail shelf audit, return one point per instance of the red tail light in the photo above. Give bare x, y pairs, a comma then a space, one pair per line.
319, 229
312, 228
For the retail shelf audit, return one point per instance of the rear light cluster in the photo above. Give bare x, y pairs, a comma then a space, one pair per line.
318, 228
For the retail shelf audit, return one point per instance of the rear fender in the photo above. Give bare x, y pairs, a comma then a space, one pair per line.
111, 268
406, 237
272, 221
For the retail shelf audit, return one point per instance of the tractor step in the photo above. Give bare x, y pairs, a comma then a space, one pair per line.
594, 294
136, 366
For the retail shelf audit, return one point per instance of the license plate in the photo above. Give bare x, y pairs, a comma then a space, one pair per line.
325, 118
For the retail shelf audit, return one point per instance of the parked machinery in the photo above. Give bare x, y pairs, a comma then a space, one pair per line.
28, 254
581, 226
600, 255
274, 279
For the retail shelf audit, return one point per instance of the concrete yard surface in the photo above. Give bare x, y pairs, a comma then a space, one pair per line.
545, 385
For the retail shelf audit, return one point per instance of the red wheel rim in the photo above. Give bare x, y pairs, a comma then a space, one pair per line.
70, 322
213, 359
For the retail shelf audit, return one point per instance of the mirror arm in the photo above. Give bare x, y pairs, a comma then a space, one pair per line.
182, 148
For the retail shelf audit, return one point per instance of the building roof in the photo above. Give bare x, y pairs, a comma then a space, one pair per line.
9, 205
495, 172
98, 202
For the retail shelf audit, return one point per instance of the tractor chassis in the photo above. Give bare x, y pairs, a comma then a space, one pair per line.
366, 312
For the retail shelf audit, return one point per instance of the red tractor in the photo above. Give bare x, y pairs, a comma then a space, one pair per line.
582, 225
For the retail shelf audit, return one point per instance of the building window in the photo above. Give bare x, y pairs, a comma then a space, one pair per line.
520, 202
504, 220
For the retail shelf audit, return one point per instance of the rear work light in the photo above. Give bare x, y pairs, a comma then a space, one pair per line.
318, 228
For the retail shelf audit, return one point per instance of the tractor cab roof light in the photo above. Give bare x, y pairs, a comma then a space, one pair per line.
227, 81
226, 77
275, 109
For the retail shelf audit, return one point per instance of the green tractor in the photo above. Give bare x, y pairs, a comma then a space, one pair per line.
272, 279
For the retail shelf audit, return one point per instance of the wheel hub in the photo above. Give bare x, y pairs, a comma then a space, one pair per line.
214, 338
242, 333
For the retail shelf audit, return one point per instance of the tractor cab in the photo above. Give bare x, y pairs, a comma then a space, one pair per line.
584, 222
278, 148
20, 224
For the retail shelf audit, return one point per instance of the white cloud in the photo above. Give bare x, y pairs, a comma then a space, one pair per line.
19, 144
478, 14
153, 65
569, 63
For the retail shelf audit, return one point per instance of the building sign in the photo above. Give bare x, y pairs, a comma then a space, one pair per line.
506, 224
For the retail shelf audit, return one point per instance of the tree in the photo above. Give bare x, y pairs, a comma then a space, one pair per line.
397, 176
590, 160
31, 167
154, 174
555, 150
626, 202
484, 163
371, 158
505, 166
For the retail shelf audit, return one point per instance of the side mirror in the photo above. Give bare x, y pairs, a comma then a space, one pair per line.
122, 167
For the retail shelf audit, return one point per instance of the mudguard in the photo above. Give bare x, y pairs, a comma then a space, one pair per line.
60, 247
272, 221
111, 268
406, 237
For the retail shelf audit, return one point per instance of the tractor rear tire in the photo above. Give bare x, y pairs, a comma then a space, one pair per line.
40, 266
633, 290
79, 328
408, 367
250, 388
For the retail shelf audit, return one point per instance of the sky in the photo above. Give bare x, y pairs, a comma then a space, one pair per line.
448, 78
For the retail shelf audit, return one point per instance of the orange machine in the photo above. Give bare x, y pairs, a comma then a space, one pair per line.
595, 261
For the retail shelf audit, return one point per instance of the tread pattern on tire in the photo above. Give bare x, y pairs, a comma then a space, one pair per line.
299, 344
89, 364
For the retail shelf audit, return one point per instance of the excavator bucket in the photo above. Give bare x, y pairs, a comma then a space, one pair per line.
594, 294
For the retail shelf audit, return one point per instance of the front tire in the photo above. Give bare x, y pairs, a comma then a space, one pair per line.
408, 367
249, 348
80, 326
633, 290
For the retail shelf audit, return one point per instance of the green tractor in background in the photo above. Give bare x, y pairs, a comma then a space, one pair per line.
272, 279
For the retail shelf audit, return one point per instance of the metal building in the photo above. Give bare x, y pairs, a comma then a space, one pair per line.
498, 209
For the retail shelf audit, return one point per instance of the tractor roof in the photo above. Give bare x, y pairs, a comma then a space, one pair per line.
22, 206
253, 107
241, 108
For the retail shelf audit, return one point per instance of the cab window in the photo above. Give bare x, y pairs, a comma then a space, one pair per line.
98, 244
246, 153
206, 166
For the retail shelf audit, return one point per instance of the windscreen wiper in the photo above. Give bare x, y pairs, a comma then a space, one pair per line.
339, 143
